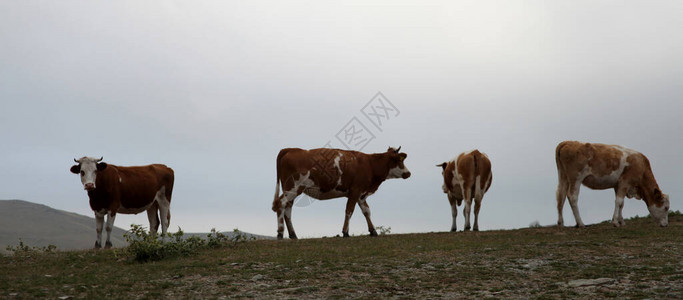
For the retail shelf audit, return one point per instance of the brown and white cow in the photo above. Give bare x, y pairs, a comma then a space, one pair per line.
466, 176
331, 173
127, 190
599, 167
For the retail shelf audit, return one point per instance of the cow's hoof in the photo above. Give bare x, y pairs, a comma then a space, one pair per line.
280, 236
453, 230
579, 226
107, 245
345, 234
467, 228
293, 236
560, 224
98, 245
373, 233
476, 229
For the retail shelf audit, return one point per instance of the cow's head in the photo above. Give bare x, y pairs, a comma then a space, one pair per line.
87, 167
659, 207
396, 167
451, 194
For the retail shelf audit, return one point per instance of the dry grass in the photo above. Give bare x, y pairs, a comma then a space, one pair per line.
641, 260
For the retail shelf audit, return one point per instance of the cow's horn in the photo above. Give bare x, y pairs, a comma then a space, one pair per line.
77, 161
99, 160
399, 149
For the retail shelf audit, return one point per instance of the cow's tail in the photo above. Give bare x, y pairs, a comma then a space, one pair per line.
557, 159
475, 153
477, 183
276, 199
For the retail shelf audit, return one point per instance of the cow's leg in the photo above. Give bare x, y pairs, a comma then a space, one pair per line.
574, 202
468, 204
350, 206
153, 216
561, 195
164, 211
454, 213
288, 220
365, 208
477, 206
110, 225
286, 200
466, 212
280, 212
617, 218
99, 223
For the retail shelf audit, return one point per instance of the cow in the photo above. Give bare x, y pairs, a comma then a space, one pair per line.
126, 190
466, 176
326, 173
600, 167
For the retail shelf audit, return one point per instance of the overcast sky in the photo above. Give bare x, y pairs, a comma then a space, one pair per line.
214, 89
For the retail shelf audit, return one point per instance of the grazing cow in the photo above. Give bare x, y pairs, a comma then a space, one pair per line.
600, 167
469, 175
127, 190
331, 173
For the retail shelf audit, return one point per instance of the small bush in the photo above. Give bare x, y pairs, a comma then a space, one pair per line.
148, 247
24, 250
535, 224
383, 230
144, 246
217, 239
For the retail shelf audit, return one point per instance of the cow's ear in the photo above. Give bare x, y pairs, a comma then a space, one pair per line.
75, 169
658, 194
101, 166
403, 156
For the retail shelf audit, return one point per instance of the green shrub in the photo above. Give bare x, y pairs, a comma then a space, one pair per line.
144, 246
148, 247
383, 230
217, 239
24, 250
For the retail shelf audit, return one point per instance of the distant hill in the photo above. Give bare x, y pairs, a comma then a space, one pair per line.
39, 225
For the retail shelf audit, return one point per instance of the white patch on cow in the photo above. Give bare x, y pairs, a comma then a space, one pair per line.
302, 185
88, 167
110, 225
612, 179
339, 170
288, 213
478, 192
457, 177
397, 172
661, 214
364, 205
120, 180
99, 222
164, 209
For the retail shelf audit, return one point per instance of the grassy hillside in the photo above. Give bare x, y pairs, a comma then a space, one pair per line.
39, 225
640, 260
